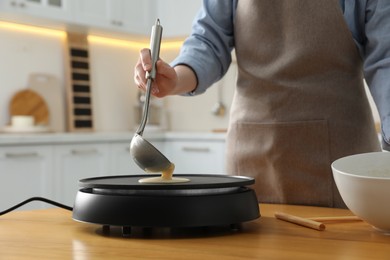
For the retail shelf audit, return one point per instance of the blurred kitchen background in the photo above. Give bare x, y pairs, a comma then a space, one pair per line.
33, 35
39, 40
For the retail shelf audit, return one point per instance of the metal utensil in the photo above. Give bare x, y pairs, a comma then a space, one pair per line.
145, 155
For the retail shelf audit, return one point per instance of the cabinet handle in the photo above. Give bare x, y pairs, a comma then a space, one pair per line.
196, 149
83, 151
22, 155
117, 22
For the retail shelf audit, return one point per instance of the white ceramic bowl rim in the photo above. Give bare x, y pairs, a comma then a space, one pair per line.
335, 165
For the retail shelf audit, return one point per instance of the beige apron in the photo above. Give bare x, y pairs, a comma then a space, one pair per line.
300, 101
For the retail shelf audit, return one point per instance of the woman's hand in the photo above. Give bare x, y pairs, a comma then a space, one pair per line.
166, 78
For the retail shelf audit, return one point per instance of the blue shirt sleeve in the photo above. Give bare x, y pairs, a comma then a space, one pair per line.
208, 50
376, 55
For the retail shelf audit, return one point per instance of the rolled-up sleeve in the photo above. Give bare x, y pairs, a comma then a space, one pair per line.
377, 59
207, 51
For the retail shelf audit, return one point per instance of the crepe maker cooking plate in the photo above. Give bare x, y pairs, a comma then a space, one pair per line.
206, 200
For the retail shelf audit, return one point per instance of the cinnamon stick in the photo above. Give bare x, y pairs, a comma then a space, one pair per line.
300, 221
337, 219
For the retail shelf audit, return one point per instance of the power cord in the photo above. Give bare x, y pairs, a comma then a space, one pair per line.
36, 199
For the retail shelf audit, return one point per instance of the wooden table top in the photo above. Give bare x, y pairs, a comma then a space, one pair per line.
52, 234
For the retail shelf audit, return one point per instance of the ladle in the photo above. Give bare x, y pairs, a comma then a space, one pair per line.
145, 155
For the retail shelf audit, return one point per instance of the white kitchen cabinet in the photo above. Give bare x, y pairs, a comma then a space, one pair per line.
25, 172
51, 166
93, 12
121, 161
176, 16
78, 161
195, 157
51, 9
134, 16
137, 17
126, 17
130, 16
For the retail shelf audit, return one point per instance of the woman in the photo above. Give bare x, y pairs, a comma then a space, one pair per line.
300, 101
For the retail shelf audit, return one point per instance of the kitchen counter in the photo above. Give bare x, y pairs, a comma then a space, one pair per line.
60, 138
52, 234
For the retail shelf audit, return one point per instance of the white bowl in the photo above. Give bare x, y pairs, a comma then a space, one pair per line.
363, 181
22, 121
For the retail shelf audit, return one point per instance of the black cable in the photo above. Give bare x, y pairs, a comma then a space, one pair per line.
38, 199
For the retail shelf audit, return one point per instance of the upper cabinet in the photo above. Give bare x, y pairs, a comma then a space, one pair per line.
176, 16
50, 9
129, 17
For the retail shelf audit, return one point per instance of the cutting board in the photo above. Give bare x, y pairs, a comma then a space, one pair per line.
49, 87
30, 103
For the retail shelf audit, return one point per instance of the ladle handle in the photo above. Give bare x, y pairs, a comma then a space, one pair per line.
155, 42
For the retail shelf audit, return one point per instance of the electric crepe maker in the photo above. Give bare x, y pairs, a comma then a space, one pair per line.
206, 200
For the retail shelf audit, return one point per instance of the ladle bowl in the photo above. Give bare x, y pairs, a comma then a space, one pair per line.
146, 156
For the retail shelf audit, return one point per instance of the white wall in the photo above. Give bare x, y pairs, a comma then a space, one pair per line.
22, 53
114, 93
195, 113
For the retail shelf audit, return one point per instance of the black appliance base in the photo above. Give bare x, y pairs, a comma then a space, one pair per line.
216, 206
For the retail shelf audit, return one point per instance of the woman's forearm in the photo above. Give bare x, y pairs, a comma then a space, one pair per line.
186, 80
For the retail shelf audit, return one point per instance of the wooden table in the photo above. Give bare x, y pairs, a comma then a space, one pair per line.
52, 234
